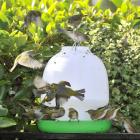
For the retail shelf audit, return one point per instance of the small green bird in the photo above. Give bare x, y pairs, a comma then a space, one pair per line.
111, 114
54, 113
128, 125
64, 92
97, 114
26, 59
61, 91
32, 16
73, 114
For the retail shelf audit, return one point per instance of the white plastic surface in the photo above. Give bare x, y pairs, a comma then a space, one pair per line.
83, 70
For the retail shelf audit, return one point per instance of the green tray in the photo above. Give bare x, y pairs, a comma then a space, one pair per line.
74, 126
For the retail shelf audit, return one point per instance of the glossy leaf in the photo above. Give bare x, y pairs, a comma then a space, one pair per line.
3, 111
6, 122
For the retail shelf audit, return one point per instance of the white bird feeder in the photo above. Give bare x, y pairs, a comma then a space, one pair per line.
83, 70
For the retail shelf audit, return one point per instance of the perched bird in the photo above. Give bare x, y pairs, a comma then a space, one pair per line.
32, 16
26, 59
111, 114
128, 126
54, 113
32, 112
97, 114
75, 36
73, 114
63, 93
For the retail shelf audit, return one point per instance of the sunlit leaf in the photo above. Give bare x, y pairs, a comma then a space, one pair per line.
124, 7
52, 8
3, 7
3, 17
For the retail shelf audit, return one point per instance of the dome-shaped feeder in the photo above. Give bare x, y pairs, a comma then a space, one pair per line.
82, 70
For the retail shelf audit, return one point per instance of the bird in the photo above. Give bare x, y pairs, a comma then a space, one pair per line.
128, 125
54, 113
33, 16
26, 59
32, 112
73, 114
75, 36
42, 88
75, 20
111, 114
63, 93
97, 114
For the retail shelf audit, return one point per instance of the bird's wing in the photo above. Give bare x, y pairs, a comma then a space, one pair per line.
30, 62
13, 67
30, 52
129, 126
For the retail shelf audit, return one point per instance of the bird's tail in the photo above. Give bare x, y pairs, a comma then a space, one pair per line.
11, 70
80, 96
81, 91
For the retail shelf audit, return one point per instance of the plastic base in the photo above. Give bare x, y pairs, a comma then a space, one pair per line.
97, 126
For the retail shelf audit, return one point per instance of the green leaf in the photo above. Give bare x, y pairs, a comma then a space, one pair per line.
3, 82
21, 40
116, 91
105, 4
3, 17
1, 71
98, 4
136, 23
22, 94
52, 8
3, 92
117, 3
3, 111
6, 122
124, 7
3, 7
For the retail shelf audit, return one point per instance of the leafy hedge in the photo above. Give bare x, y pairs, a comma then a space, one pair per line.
113, 35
